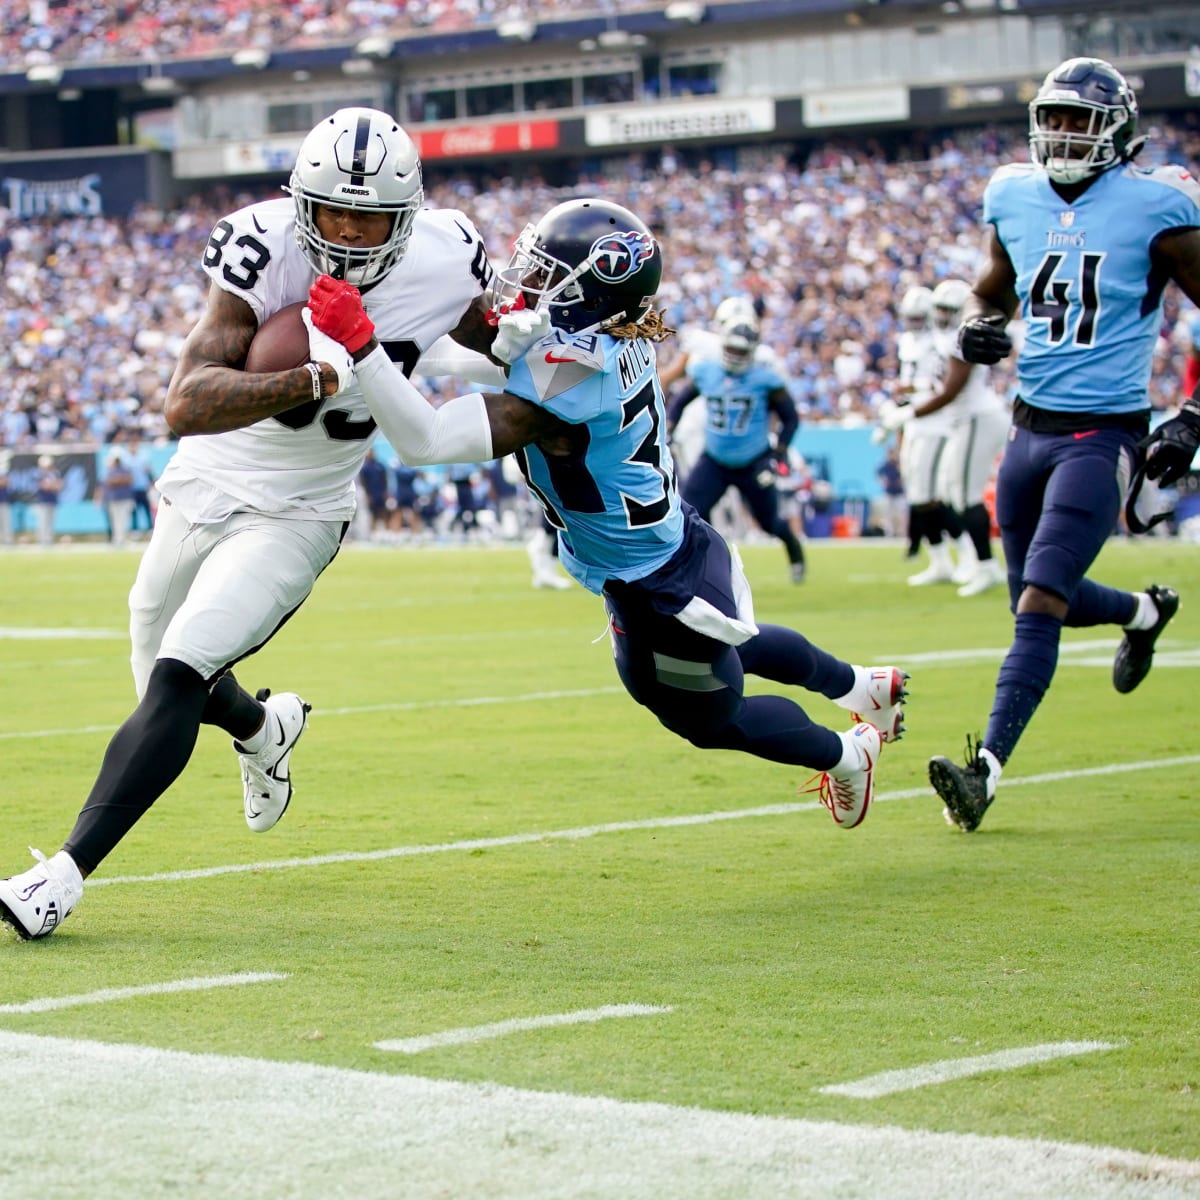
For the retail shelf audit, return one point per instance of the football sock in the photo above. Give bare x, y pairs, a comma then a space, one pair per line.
786, 656
1145, 615
1024, 677
231, 708
146, 755
978, 525
950, 521
1095, 604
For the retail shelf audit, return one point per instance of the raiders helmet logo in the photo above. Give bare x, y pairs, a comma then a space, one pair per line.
615, 256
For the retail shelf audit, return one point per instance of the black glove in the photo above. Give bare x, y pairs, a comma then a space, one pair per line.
1169, 450
983, 340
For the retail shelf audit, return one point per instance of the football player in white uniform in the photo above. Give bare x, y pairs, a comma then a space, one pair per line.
924, 437
980, 426
259, 494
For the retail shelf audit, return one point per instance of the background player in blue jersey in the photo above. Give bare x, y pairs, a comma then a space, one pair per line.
741, 393
583, 411
1085, 243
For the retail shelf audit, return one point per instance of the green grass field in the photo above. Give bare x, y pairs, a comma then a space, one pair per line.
487, 829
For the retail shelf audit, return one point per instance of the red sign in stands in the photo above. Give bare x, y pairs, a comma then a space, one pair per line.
468, 141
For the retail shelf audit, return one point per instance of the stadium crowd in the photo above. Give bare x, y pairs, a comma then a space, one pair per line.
93, 31
96, 307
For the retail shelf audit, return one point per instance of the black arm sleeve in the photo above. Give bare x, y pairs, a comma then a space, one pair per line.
679, 401
783, 406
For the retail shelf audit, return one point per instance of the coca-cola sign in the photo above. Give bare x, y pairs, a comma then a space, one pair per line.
471, 141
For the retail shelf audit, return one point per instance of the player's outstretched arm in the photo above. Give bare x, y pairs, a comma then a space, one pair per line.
469, 428
210, 393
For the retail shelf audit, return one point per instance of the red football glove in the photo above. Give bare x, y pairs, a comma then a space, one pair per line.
337, 311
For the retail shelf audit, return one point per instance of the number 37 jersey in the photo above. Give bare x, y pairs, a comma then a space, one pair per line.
613, 499
304, 461
1090, 295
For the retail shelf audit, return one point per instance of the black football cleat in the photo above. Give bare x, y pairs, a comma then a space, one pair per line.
1136, 651
965, 790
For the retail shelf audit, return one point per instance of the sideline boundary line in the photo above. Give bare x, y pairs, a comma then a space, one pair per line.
589, 831
196, 1120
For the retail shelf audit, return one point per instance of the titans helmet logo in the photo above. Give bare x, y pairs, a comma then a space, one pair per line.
615, 256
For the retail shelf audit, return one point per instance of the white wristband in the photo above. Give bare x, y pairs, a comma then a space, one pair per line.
318, 386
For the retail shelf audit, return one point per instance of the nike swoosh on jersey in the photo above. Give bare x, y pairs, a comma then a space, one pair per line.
465, 232
1085, 433
553, 358
260, 228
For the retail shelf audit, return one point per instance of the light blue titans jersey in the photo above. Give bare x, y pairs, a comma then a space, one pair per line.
1089, 297
738, 423
614, 500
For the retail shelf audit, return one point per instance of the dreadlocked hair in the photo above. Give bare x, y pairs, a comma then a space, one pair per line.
652, 327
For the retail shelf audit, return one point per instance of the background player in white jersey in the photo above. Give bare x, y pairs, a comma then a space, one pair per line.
584, 411
924, 438
259, 494
1084, 243
979, 424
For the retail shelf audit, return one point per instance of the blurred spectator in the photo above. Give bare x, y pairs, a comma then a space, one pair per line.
141, 470
116, 492
6, 501
373, 480
48, 483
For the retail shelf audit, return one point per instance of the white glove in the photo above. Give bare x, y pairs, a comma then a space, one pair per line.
323, 349
892, 416
517, 330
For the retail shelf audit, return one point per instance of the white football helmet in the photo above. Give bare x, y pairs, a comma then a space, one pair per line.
358, 158
735, 310
915, 308
948, 299
739, 341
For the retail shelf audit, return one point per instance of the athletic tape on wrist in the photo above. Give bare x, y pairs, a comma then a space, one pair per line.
318, 386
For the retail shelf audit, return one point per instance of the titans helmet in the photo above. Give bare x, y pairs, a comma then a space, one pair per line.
359, 158
591, 263
1099, 90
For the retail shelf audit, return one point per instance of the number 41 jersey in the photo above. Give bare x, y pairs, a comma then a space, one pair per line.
303, 462
614, 499
1090, 296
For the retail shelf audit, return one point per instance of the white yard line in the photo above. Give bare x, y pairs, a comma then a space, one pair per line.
164, 1122
107, 995
24, 633
887, 1082
483, 1033
1184, 657
589, 831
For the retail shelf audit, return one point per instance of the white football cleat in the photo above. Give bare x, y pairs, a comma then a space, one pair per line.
988, 574
36, 902
550, 578
847, 790
878, 698
266, 779
936, 572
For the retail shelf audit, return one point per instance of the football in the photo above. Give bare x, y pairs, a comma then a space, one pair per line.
281, 342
